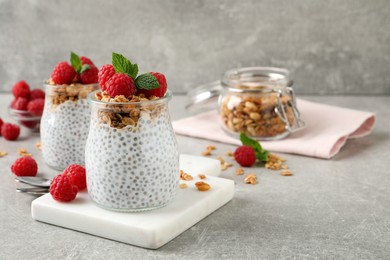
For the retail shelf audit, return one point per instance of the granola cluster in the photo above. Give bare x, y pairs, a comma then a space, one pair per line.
255, 115
121, 115
59, 94
200, 185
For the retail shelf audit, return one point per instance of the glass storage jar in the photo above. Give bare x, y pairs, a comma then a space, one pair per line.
132, 158
65, 124
257, 101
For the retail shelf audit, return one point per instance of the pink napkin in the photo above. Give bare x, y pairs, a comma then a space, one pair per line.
328, 128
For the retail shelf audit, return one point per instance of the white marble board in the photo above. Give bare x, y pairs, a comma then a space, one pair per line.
150, 229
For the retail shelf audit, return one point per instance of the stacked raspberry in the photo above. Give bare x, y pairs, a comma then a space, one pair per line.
120, 78
65, 186
81, 70
26, 99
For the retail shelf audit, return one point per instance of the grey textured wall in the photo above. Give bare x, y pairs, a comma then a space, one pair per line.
330, 46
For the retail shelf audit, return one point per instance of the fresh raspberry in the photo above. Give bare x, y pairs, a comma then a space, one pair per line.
63, 73
85, 60
104, 75
19, 103
120, 84
245, 156
62, 189
35, 106
21, 89
76, 175
37, 93
1, 124
10, 131
25, 166
90, 76
158, 92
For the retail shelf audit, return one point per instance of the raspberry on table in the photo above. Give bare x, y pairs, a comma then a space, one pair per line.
25, 166
36, 106
1, 124
61, 189
10, 131
245, 156
104, 75
21, 89
19, 103
90, 76
120, 84
77, 175
158, 92
37, 93
63, 73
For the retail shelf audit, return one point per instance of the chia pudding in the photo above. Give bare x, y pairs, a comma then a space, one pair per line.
65, 124
131, 157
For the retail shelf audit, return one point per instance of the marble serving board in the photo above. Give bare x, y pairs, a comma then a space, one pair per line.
150, 229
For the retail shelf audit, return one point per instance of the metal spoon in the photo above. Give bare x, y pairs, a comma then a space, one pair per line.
34, 181
33, 191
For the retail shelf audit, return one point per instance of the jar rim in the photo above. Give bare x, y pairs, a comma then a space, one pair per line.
255, 79
92, 99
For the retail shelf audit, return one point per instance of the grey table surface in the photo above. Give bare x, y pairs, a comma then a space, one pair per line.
337, 208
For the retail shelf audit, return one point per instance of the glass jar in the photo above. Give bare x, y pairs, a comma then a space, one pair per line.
257, 101
65, 124
132, 158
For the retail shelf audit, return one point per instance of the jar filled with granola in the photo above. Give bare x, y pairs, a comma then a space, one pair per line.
65, 123
259, 102
132, 158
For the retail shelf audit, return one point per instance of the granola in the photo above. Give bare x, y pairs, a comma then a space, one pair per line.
250, 179
202, 186
185, 176
255, 115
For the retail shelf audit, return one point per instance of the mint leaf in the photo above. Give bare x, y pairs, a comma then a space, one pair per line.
261, 154
76, 62
123, 65
146, 81
84, 68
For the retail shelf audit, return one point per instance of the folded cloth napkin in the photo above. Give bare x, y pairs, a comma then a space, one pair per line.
328, 128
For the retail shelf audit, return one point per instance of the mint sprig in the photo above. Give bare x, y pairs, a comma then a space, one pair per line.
146, 81
261, 154
78, 66
123, 65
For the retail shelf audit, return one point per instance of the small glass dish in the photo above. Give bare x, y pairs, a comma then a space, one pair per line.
26, 119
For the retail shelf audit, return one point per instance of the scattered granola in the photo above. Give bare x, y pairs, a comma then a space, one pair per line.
202, 186
185, 176
201, 176
2, 154
224, 164
239, 171
38, 145
250, 179
286, 173
208, 150
183, 185
23, 152
275, 162
230, 154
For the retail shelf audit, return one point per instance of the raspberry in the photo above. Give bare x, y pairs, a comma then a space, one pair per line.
1, 125
19, 103
85, 60
245, 156
63, 73
25, 166
120, 84
158, 92
10, 131
21, 89
76, 175
37, 93
90, 76
35, 107
104, 75
61, 188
